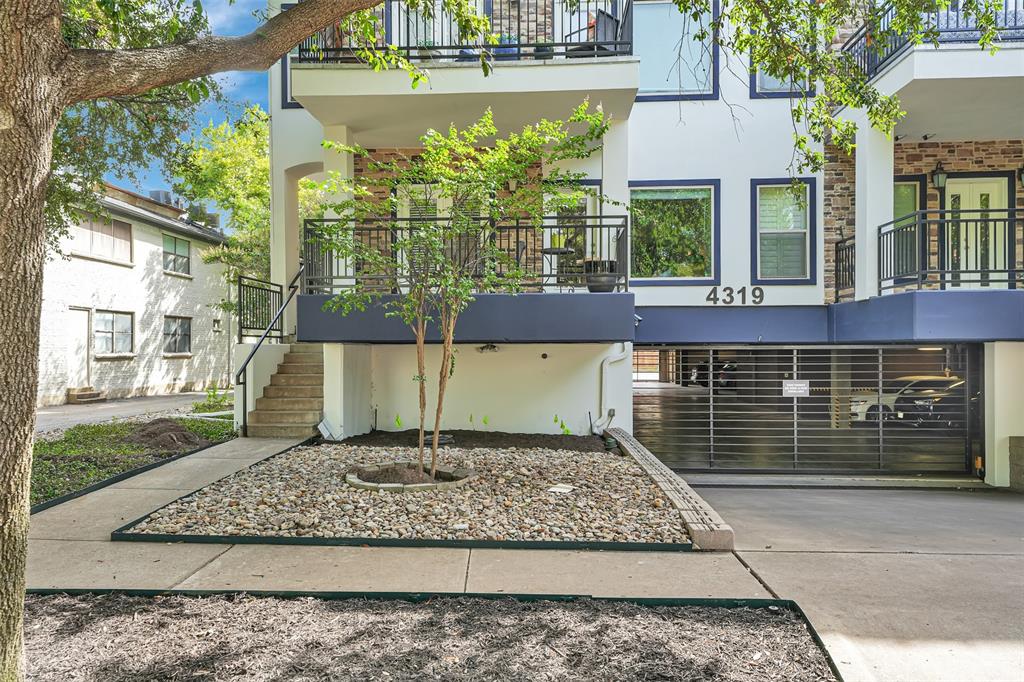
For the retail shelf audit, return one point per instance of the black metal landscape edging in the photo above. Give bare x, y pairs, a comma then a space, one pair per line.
121, 535
117, 478
422, 597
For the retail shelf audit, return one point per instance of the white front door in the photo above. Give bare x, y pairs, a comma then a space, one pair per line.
79, 331
975, 235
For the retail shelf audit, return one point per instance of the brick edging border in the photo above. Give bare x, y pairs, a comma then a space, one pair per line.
706, 528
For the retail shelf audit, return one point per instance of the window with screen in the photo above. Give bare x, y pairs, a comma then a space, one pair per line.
176, 255
177, 334
103, 238
112, 332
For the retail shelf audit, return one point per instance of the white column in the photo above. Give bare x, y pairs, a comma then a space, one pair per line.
337, 162
615, 178
334, 388
1004, 375
873, 201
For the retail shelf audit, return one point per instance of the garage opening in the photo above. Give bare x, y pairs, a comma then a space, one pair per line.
890, 409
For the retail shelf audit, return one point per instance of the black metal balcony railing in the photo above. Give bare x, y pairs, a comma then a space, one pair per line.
951, 249
873, 47
565, 254
527, 29
845, 263
258, 300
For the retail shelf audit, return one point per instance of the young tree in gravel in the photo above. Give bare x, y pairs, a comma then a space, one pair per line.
444, 225
74, 75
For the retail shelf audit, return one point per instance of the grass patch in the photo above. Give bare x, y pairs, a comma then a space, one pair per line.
89, 453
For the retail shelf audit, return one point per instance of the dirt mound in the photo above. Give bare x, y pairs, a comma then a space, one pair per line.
166, 435
485, 439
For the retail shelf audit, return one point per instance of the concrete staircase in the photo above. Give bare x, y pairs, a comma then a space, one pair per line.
85, 395
292, 405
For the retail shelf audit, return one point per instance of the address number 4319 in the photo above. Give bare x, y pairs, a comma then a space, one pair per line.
730, 296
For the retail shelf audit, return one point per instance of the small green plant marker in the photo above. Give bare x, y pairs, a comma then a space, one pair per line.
398, 421
486, 420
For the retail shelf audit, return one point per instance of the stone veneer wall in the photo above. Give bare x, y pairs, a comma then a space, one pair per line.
909, 158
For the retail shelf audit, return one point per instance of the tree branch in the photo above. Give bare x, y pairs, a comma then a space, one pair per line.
91, 74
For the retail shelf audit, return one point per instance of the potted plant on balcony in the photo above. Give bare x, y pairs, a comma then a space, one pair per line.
599, 272
543, 50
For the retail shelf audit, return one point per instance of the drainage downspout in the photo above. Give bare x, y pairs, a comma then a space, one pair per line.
604, 422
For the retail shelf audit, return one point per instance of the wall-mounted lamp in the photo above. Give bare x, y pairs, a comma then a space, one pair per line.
927, 136
899, 137
939, 176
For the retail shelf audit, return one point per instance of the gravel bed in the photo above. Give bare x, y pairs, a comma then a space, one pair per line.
302, 493
114, 638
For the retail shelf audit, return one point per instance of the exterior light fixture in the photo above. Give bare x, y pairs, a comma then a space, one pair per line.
931, 348
939, 176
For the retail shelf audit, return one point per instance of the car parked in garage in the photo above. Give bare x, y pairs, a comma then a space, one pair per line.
913, 399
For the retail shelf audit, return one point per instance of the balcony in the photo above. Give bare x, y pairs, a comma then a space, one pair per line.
536, 30
873, 54
942, 250
572, 271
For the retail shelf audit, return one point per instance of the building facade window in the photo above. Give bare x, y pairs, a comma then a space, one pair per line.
674, 232
112, 332
176, 255
673, 63
783, 231
177, 334
109, 239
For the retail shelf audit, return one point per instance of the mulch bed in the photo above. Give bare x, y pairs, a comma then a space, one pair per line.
483, 439
115, 637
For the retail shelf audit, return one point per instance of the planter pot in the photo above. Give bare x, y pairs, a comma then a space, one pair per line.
544, 52
602, 282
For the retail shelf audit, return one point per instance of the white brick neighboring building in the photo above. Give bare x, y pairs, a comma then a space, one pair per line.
124, 315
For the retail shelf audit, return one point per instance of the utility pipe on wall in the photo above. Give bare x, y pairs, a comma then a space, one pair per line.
603, 421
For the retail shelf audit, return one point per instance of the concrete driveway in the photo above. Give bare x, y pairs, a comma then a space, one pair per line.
66, 416
901, 584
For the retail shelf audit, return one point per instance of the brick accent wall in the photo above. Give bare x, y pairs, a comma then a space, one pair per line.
909, 158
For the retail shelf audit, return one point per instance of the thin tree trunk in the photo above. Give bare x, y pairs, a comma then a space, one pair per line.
29, 110
448, 319
421, 377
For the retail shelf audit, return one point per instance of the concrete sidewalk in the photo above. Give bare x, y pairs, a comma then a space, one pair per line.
69, 547
900, 584
66, 416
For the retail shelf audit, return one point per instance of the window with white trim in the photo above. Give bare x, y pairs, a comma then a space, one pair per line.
177, 334
783, 232
112, 332
176, 255
109, 239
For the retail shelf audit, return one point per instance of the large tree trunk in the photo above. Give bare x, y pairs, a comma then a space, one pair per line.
30, 106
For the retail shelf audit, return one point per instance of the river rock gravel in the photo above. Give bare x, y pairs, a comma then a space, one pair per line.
302, 493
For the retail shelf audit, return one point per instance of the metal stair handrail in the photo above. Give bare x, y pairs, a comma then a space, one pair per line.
242, 373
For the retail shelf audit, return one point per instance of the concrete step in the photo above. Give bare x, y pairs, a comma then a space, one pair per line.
307, 417
297, 380
267, 403
311, 358
283, 391
300, 368
84, 395
307, 348
280, 431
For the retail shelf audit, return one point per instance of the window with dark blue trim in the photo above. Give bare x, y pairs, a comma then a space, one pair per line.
673, 66
763, 85
783, 231
675, 233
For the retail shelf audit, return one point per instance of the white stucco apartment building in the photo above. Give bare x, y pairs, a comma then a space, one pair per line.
129, 309
871, 323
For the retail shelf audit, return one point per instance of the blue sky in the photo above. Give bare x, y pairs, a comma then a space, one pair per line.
241, 88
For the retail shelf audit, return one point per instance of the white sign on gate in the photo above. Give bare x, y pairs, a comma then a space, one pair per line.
796, 388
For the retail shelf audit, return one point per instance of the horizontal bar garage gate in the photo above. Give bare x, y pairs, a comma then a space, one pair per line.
857, 409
